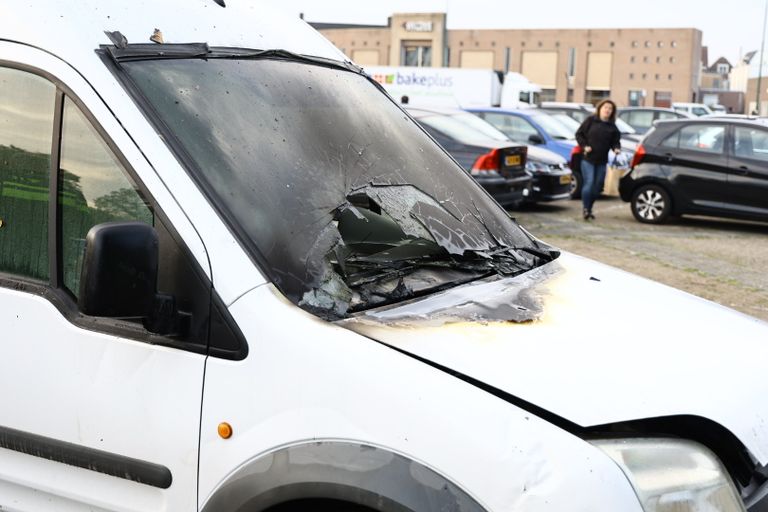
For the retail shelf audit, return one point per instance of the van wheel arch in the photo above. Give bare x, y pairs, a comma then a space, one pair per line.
356, 476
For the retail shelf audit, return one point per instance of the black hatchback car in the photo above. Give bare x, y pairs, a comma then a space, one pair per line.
704, 166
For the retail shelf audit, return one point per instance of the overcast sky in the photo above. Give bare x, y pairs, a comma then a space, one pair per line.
730, 28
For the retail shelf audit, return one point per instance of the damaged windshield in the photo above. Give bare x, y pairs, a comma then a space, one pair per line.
340, 197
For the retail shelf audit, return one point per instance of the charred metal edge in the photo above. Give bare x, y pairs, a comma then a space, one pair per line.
108, 463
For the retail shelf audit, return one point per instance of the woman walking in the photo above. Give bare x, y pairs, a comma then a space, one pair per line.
597, 135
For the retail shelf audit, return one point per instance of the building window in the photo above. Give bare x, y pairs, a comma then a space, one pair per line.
539, 44
612, 44
632, 59
669, 76
645, 75
647, 44
658, 60
657, 76
417, 54
634, 44
595, 97
493, 44
557, 44
631, 76
635, 99
522, 44
589, 43
365, 43
660, 44
645, 59
662, 99
674, 44
671, 60
722, 69
461, 43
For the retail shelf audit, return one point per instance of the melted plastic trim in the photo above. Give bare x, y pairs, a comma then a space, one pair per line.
108, 463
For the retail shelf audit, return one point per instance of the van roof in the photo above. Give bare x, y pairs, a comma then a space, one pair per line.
72, 31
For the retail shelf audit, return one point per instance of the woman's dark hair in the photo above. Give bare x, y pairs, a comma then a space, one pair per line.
599, 105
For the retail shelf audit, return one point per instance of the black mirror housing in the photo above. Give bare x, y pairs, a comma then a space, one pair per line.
535, 139
119, 277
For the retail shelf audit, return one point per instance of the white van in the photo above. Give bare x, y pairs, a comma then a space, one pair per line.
696, 109
237, 276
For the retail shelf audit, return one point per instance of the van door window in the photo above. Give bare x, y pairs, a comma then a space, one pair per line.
93, 188
26, 126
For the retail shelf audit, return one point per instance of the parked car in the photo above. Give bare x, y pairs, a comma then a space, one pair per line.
552, 176
578, 111
236, 276
705, 166
487, 154
641, 119
696, 109
530, 126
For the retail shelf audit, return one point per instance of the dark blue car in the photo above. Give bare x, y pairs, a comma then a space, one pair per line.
530, 126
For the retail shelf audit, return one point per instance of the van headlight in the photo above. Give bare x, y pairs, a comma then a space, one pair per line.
672, 475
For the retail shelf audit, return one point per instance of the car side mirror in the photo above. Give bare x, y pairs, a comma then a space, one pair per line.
535, 139
119, 277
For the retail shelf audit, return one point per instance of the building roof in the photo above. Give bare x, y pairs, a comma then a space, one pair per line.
330, 26
721, 60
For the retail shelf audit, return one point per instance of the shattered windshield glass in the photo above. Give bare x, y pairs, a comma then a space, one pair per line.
341, 198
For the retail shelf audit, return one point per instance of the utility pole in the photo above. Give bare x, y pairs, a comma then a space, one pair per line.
762, 49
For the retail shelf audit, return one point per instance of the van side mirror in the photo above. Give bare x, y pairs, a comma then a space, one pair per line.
119, 278
535, 139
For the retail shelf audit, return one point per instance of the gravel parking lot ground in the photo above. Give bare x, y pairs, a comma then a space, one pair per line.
721, 260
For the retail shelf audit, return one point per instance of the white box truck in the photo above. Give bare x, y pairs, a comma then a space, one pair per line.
453, 87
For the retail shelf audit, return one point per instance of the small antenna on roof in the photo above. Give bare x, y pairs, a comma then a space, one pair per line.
220, 2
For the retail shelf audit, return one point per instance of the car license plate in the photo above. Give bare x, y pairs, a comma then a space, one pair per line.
565, 179
511, 160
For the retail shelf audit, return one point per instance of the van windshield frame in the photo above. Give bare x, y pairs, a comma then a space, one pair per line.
299, 156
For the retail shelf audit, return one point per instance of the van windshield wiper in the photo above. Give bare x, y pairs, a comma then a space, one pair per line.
125, 52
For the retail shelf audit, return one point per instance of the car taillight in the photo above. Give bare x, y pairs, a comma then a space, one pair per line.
639, 154
487, 162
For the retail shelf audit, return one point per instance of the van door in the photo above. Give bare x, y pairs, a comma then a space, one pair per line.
95, 413
749, 164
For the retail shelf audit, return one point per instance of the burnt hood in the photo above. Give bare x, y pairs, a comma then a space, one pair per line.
594, 345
